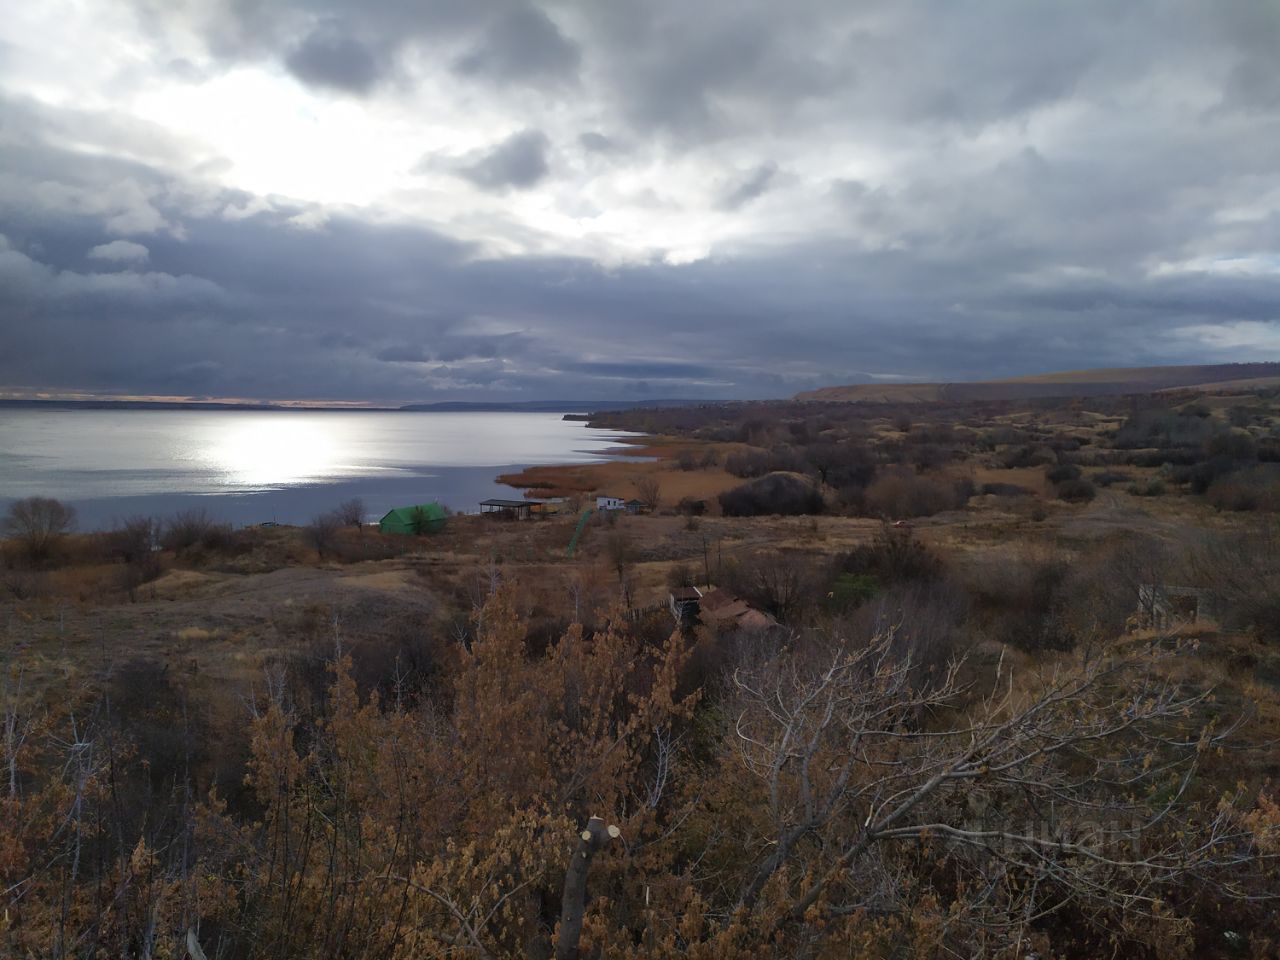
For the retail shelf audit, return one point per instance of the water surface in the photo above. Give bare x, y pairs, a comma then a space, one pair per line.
250, 466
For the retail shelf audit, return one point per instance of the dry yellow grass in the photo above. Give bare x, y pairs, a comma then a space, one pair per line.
618, 477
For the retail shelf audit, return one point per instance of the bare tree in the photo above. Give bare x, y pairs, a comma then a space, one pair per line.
779, 583
322, 533
351, 512
648, 490
1071, 786
195, 528
622, 554
38, 524
134, 539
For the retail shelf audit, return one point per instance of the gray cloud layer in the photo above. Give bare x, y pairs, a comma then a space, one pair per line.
722, 199
520, 161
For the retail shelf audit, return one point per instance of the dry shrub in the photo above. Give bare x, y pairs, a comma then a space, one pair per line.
194, 530
23, 584
135, 542
1242, 570
1062, 473
1003, 490
1257, 488
321, 534
349, 547
903, 493
926, 620
350, 512
1076, 491
780, 494
691, 506
689, 459
758, 463
783, 584
1020, 598
1106, 478
893, 556
38, 525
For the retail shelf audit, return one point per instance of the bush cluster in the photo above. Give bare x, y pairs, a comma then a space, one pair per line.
783, 494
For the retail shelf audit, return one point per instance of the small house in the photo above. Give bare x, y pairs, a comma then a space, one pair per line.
635, 506
423, 518
683, 603
610, 503
717, 608
722, 610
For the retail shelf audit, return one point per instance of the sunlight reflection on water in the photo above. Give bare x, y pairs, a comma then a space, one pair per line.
117, 453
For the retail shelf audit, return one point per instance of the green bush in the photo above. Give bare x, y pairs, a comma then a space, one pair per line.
851, 590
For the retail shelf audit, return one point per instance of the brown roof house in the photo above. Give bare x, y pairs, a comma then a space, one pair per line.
717, 608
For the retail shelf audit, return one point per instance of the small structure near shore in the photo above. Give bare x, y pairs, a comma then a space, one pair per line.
423, 518
509, 509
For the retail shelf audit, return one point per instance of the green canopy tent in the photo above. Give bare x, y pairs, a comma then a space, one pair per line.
424, 518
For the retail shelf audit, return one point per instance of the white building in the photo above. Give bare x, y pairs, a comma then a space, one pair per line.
610, 503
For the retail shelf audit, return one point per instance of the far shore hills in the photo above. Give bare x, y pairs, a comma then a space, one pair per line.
1111, 381
446, 406
1071, 383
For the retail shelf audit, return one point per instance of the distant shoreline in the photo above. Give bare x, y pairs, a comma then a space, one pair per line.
578, 409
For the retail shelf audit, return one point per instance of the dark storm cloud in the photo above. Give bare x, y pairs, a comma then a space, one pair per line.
403, 353
596, 142
753, 185
650, 370
331, 57
519, 44
969, 191
350, 46
518, 162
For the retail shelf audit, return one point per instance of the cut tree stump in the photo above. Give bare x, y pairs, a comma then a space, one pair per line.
574, 902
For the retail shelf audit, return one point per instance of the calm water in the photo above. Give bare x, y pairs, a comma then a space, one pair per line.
251, 466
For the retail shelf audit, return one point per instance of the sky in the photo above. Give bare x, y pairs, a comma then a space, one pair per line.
385, 201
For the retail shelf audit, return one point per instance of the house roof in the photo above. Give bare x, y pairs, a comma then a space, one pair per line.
756, 620
497, 502
686, 593
720, 606
717, 598
433, 511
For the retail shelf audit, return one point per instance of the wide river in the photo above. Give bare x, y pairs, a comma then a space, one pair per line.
252, 466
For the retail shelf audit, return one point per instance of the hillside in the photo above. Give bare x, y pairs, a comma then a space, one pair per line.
1070, 383
279, 743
